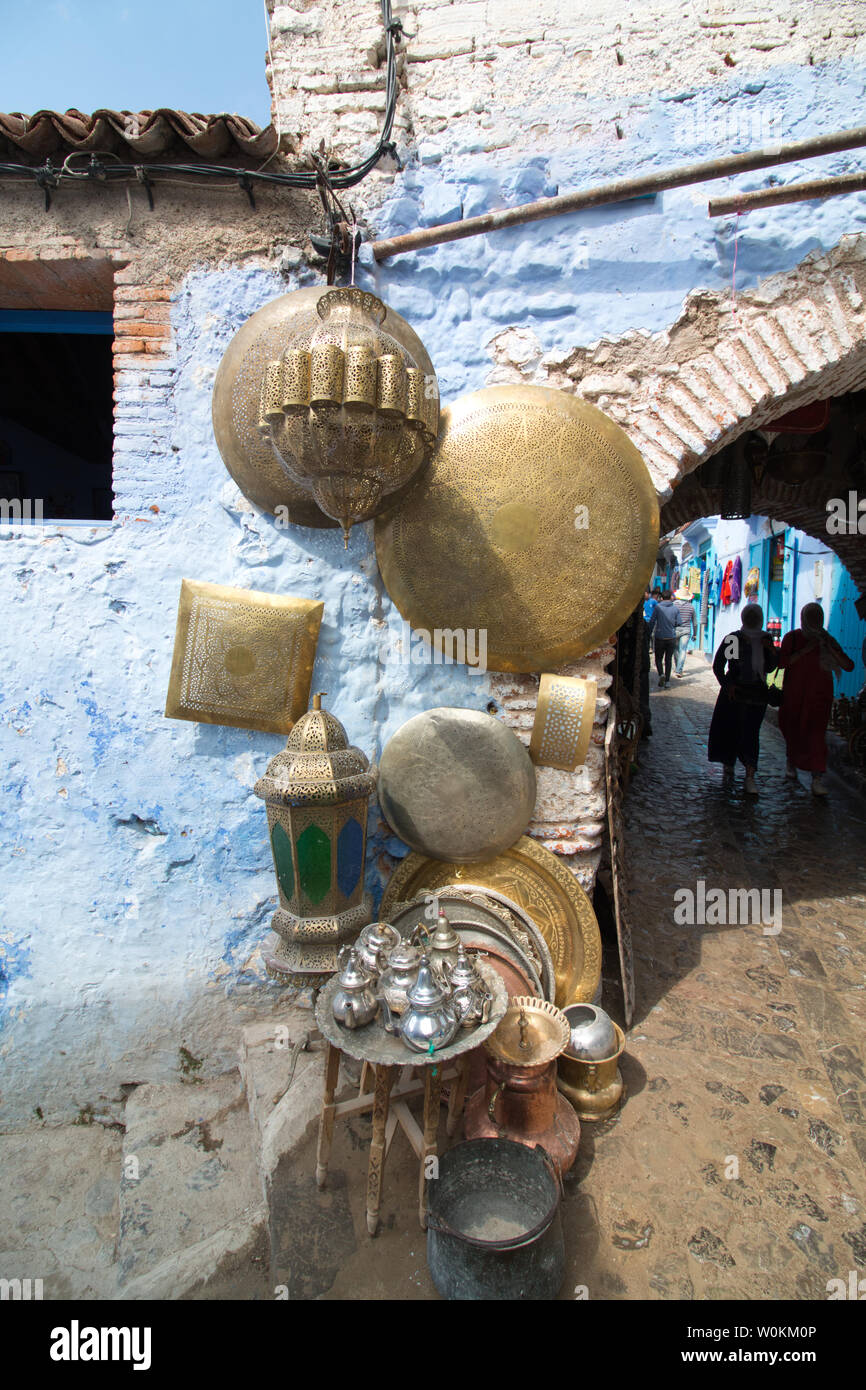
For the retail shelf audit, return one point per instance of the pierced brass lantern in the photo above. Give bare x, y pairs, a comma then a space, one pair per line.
348, 410
316, 792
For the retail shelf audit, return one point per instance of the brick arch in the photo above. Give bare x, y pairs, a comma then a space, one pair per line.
723, 369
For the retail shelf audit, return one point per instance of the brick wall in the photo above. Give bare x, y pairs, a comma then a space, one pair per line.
144, 369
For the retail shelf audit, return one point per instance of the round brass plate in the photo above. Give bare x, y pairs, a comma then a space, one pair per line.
247, 456
540, 883
537, 520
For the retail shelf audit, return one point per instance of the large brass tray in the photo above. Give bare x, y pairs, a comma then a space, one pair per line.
540, 883
536, 521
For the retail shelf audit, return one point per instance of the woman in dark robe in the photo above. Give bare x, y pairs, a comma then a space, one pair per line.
810, 658
741, 666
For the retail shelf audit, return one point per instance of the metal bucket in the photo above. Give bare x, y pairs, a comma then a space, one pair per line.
494, 1229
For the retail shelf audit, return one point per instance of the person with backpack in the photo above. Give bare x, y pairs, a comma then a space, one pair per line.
663, 633
741, 666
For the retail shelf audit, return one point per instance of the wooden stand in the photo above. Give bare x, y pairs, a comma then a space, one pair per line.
388, 1099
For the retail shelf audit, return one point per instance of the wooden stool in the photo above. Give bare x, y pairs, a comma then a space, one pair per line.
387, 1098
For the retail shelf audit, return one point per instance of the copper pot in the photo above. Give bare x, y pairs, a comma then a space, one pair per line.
519, 1100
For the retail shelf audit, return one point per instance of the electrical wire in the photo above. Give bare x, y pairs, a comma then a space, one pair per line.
47, 177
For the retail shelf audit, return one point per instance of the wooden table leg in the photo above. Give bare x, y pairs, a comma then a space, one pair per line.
432, 1097
381, 1093
458, 1094
326, 1120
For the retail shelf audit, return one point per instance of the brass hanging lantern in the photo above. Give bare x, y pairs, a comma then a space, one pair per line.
316, 792
350, 413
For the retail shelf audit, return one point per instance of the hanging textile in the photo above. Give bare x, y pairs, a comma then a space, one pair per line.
737, 581
726, 584
753, 581
705, 597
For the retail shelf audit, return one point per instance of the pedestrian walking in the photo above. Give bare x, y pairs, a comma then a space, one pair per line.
663, 633
687, 627
810, 658
741, 666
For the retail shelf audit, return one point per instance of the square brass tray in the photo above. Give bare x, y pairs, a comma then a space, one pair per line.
242, 657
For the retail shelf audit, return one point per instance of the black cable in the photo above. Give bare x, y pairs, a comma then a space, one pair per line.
46, 176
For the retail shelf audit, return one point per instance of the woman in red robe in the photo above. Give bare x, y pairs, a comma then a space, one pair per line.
810, 658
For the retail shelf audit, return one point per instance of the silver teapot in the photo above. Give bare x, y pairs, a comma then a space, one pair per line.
470, 996
429, 1021
374, 943
443, 944
399, 976
355, 1002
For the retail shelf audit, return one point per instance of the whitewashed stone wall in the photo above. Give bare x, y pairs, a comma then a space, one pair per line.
485, 75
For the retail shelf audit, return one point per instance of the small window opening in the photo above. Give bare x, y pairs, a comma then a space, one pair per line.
56, 415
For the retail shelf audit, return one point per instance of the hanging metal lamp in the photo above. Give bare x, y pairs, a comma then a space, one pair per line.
737, 486
349, 411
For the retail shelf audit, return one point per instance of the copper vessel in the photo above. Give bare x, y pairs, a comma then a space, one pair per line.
519, 1099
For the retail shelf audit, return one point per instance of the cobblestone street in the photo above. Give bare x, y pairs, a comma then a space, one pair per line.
737, 1168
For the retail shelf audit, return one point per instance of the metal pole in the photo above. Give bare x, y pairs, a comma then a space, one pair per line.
790, 193
621, 190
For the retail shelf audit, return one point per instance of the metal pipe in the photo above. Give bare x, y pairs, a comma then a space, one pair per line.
788, 193
620, 190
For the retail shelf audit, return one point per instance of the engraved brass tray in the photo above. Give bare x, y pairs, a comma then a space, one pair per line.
536, 521
247, 455
538, 881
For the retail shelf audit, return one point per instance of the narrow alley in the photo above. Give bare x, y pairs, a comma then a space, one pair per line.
737, 1167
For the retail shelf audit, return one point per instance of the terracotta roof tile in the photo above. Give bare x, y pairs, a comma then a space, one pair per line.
134, 135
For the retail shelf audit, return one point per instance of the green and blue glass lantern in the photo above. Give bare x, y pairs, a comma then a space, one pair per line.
316, 792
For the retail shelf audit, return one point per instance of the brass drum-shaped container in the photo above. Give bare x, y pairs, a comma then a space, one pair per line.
456, 784
537, 522
246, 452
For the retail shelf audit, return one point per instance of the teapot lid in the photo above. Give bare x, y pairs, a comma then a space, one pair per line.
426, 992
404, 955
444, 937
379, 934
354, 975
464, 971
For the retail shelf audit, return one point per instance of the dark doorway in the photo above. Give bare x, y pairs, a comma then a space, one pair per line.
56, 413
